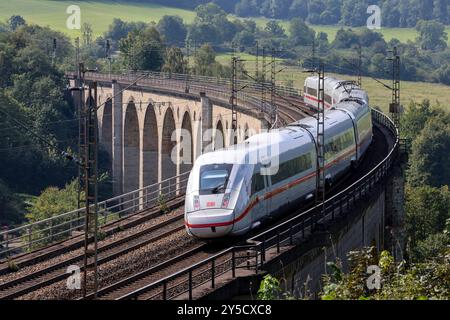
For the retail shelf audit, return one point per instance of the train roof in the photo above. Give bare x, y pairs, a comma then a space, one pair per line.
329, 81
279, 141
356, 108
332, 118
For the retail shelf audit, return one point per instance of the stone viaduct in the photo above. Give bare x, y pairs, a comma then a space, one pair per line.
154, 130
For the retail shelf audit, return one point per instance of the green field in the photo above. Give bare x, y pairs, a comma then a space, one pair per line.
379, 95
402, 34
100, 14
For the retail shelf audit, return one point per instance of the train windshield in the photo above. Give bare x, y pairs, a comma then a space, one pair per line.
214, 178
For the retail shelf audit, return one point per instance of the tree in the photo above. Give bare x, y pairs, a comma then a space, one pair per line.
415, 118
204, 58
345, 39
300, 33
172, 29
52, 202
206, 64
354, 12
432, 35
246, 8
16, 21
208, 13
174, 61
119, 29
427, 210
430, 155
417, 281
87, 32
299, 9
274, 29
244, 39
143, 50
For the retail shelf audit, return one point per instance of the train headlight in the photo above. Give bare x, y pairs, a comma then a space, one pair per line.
225, 201
196, 203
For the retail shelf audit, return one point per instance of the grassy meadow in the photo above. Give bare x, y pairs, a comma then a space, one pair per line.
100, 14
379, 95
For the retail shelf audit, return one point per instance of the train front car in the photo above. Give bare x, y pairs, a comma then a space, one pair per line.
215, 195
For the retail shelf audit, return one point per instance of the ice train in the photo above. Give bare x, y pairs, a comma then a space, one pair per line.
233, 190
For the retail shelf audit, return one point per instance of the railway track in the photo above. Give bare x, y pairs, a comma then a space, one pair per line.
77, 241
125, 287
57, 271
151, 274
128, 288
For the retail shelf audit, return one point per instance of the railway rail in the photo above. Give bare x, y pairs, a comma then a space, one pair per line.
57, 271
205, 266
131, 287
251, 257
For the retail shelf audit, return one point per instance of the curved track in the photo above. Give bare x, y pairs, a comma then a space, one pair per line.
290, 109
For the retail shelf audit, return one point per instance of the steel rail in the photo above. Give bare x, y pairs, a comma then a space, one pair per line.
287, 231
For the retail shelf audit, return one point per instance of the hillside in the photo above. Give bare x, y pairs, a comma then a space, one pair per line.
101, 13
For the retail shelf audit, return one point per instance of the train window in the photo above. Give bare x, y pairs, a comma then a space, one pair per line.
364, 125
214, 178
292, 167
257, 183
339, 143
312, 92
328, 99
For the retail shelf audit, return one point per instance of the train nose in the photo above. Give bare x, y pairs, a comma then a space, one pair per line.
212, 223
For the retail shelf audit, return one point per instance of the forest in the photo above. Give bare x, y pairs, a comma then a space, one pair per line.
395, 13
38, 121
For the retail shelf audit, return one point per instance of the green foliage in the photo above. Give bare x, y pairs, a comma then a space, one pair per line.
174, 61
300, 33
54, 201
12, 266
15, 22
206, 64
162, 203
50, 203
430, 156
269, 288
274, 29
143, 50
119, 29
432, 35
427, 210
421, 281
172, 29
11, 208
415, 118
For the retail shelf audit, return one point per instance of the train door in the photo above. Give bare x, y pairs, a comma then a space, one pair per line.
268, 198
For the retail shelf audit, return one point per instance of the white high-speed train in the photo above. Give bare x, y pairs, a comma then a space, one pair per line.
335, 91
233, 190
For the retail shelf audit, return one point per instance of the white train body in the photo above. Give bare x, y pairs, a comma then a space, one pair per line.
335, 91
233, 190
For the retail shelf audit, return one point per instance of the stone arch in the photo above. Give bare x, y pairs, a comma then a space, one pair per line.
168, 165
187, 146
107, 131
219, 137
150, 147
131, 144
